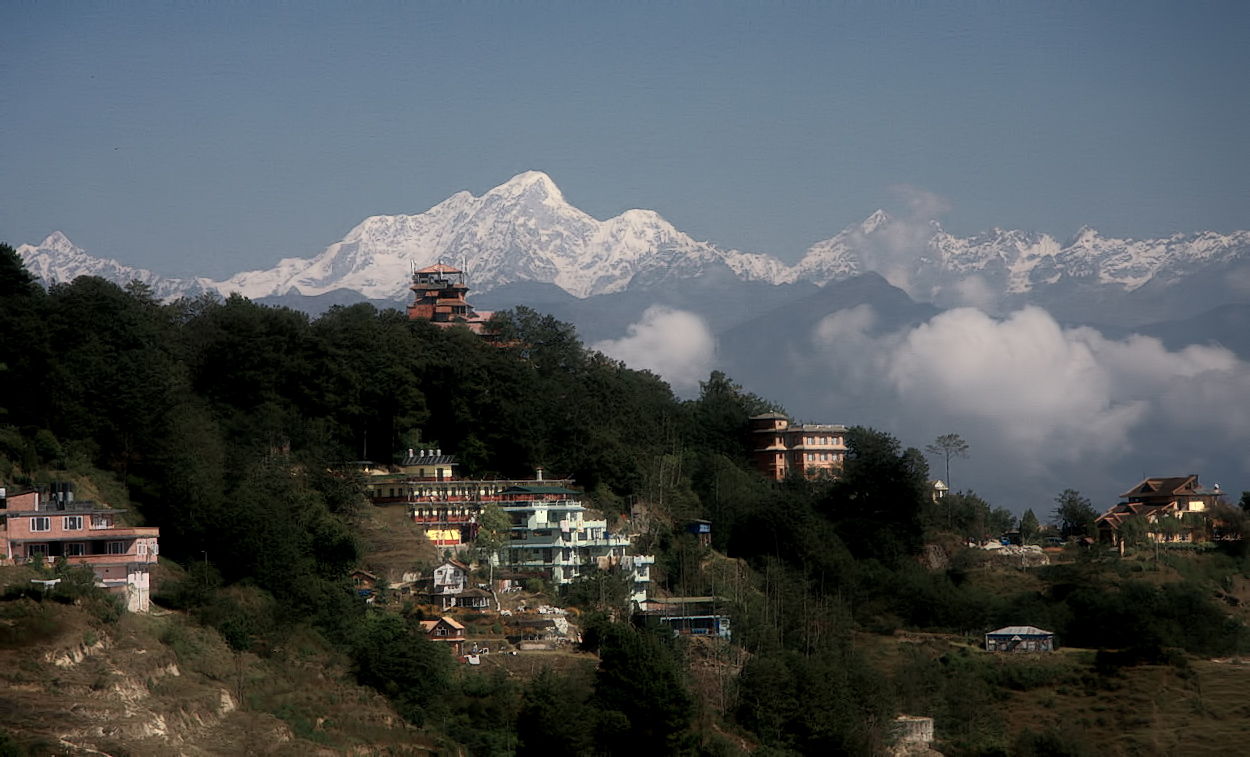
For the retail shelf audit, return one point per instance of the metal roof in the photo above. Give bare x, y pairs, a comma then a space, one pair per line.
1020, 631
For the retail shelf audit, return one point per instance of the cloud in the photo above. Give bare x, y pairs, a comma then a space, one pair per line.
922, 205
894, 248
1042, 391
674, 344
1038, 403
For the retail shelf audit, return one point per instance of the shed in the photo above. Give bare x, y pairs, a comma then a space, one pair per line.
1020, 639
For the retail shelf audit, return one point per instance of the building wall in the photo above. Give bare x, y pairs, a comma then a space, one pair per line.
554, 539
35, 527
814, 449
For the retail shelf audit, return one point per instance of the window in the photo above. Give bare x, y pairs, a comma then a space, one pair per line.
40, 524
75, 549
117, 548
101, 521
36, 550
72, 523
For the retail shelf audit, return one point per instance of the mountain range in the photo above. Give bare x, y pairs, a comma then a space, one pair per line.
525, 232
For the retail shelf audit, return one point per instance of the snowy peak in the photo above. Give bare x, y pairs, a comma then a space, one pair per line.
534, 184
59, 243
1085, 238
873, 222
58, 260
524, 230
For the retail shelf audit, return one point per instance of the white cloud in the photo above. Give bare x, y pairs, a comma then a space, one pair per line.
1056, 407
674, 344
894, 248
922, 205
1042, 390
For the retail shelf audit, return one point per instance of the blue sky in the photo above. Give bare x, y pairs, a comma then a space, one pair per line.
216, 137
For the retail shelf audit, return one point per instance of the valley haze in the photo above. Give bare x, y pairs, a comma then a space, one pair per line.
1085, 363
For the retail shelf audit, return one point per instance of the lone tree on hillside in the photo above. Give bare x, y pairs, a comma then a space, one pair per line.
1075, 514
947, 446
1029, 527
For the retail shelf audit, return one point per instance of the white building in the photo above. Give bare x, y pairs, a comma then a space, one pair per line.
551, 536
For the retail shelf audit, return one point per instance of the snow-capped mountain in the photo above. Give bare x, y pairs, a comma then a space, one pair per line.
56, 259
1007, 266
525, 231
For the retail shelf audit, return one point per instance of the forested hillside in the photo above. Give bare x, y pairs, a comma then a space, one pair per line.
235, 428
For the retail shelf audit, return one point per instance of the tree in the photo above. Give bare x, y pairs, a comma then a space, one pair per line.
493, 527
876, 503
641, 692
1075, 515
947, 446
555, 720
1029, 527
398, 661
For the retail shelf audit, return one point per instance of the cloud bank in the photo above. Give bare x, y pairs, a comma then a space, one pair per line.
1042, 406
674, 344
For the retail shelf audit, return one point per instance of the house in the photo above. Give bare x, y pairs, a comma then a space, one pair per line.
451, 577
365, 582
686, 616
781, 447
445, 631
1020, 639
1156, 500
438, 296
701, 530
429, 465
473, 599
451, 587
47, 523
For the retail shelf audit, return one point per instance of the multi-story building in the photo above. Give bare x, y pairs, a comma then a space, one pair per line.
49, 524
438, 296
1162, 504
552, 537
811, 449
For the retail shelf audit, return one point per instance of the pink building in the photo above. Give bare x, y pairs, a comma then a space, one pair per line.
43, 525
811, 449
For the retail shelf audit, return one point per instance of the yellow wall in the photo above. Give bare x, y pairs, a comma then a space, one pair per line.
443, 534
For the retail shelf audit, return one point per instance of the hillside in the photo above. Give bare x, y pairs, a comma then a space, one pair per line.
162, 684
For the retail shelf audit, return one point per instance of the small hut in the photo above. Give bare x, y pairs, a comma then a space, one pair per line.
1020, 639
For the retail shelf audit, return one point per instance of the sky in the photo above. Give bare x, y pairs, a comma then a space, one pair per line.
210, 138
